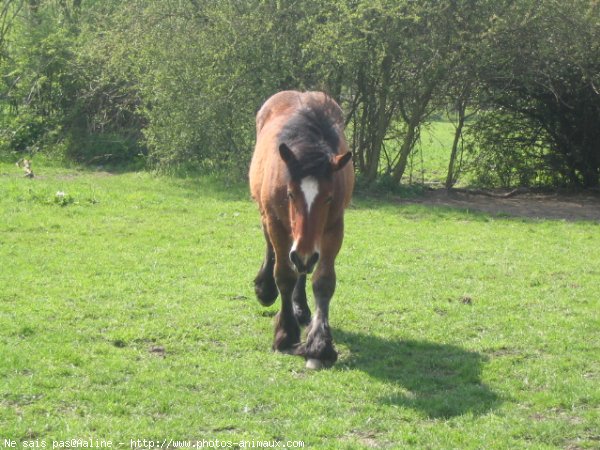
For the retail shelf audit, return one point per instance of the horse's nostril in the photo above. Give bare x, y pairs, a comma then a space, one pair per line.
304, 264
312, 261
295, 259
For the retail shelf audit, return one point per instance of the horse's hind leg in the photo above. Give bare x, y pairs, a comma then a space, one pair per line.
301, 309
264, 283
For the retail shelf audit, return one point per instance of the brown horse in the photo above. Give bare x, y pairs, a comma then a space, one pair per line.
302, 179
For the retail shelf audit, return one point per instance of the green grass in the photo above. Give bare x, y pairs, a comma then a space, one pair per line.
431, 158
127, 312
428, 163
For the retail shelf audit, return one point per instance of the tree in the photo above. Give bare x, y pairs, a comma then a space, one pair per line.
542, 79
180, 81
399, 63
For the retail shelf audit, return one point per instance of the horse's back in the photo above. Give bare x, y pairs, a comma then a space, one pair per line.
285, 103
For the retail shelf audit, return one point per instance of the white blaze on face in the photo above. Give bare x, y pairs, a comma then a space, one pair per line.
310, 189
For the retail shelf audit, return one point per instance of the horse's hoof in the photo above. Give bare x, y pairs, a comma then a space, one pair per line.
293, 350
265, 293
314, 364
287, 342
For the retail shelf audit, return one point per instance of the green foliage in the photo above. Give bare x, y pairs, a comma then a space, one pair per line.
177, 84
541, 77
203, 98
25, 131
37, 90
60, 90
508, 152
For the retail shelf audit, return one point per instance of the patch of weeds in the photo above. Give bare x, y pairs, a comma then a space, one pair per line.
63, 199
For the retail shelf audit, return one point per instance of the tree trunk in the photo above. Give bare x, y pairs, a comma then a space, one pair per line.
457, 134
34, 6
379, 128
407, 146
414, 122
361, 140
589, 173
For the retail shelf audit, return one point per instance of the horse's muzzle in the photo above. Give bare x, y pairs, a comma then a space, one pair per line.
304, 263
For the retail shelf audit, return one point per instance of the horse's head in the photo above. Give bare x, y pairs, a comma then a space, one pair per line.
311, 195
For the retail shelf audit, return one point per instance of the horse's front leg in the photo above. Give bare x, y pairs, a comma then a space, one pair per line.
301, 309
287, 329
319, 350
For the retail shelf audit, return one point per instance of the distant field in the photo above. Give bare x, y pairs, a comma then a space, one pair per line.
429, 161
127, 312
433, 154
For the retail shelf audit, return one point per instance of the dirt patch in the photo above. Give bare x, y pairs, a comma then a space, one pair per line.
557, 205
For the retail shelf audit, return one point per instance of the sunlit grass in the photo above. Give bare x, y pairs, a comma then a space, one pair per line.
128, 313
428, 162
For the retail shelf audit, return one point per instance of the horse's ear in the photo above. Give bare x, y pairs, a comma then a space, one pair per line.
339, 161
286, 154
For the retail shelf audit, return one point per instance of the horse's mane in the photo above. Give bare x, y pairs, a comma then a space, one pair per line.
312, 136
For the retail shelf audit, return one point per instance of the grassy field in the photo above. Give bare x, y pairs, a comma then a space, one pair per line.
127, 312
428, 163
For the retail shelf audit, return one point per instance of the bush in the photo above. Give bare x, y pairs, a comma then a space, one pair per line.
508, 151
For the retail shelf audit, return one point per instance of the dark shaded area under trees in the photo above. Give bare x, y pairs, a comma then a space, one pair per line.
177, 83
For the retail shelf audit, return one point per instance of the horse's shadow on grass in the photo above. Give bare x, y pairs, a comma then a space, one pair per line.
441, 381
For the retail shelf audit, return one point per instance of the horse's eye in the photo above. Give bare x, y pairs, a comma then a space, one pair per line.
290, 195
329, 199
